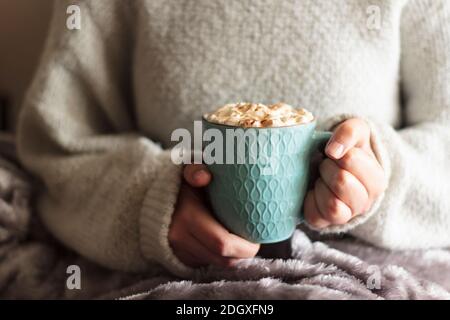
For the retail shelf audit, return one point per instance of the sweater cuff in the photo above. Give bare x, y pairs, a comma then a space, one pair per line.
156, 216
381, 154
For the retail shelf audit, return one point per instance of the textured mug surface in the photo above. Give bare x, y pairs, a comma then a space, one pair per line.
260, 198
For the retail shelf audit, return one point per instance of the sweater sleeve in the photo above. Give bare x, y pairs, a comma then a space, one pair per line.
107, 192
414, 211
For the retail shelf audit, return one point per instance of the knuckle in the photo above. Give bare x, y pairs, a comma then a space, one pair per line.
346, 126
333, 208
348, 159
221, 246
341, 181
335, 213
347, 129
355, 154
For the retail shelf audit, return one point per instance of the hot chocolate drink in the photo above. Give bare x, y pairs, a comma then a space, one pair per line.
258, 192
257, 115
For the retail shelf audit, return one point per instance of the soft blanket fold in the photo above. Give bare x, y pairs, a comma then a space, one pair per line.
316, 271
34, 266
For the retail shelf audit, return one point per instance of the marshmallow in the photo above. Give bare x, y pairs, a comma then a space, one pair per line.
257, 115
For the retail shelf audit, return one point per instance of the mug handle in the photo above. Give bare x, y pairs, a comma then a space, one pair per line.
319, 141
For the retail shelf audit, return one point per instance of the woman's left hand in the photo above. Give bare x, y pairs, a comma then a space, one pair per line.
350, 180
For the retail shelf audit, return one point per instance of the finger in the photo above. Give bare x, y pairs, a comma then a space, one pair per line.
242, 248
312, 214
218, 240
204, 255
351, 133
176, 239
330, 207
345, 186
366, 169
187, 258
197, 175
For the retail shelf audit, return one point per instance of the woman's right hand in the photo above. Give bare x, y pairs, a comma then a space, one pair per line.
196, 238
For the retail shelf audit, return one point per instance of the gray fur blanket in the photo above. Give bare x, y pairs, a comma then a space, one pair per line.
35, 266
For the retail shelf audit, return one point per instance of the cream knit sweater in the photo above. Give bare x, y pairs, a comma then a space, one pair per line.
97, 120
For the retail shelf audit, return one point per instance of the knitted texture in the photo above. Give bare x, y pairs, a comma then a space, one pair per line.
97, 120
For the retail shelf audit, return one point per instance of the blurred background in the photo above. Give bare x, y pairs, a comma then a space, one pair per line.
23, 26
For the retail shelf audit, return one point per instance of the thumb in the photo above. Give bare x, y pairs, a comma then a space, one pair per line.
197, 175
349, 134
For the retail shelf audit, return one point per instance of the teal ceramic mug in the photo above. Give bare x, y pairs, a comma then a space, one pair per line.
257, 192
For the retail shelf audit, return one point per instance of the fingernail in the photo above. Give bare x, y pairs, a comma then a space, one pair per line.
201, 175
335, 149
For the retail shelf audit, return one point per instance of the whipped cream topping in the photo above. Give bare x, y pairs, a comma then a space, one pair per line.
257, 115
